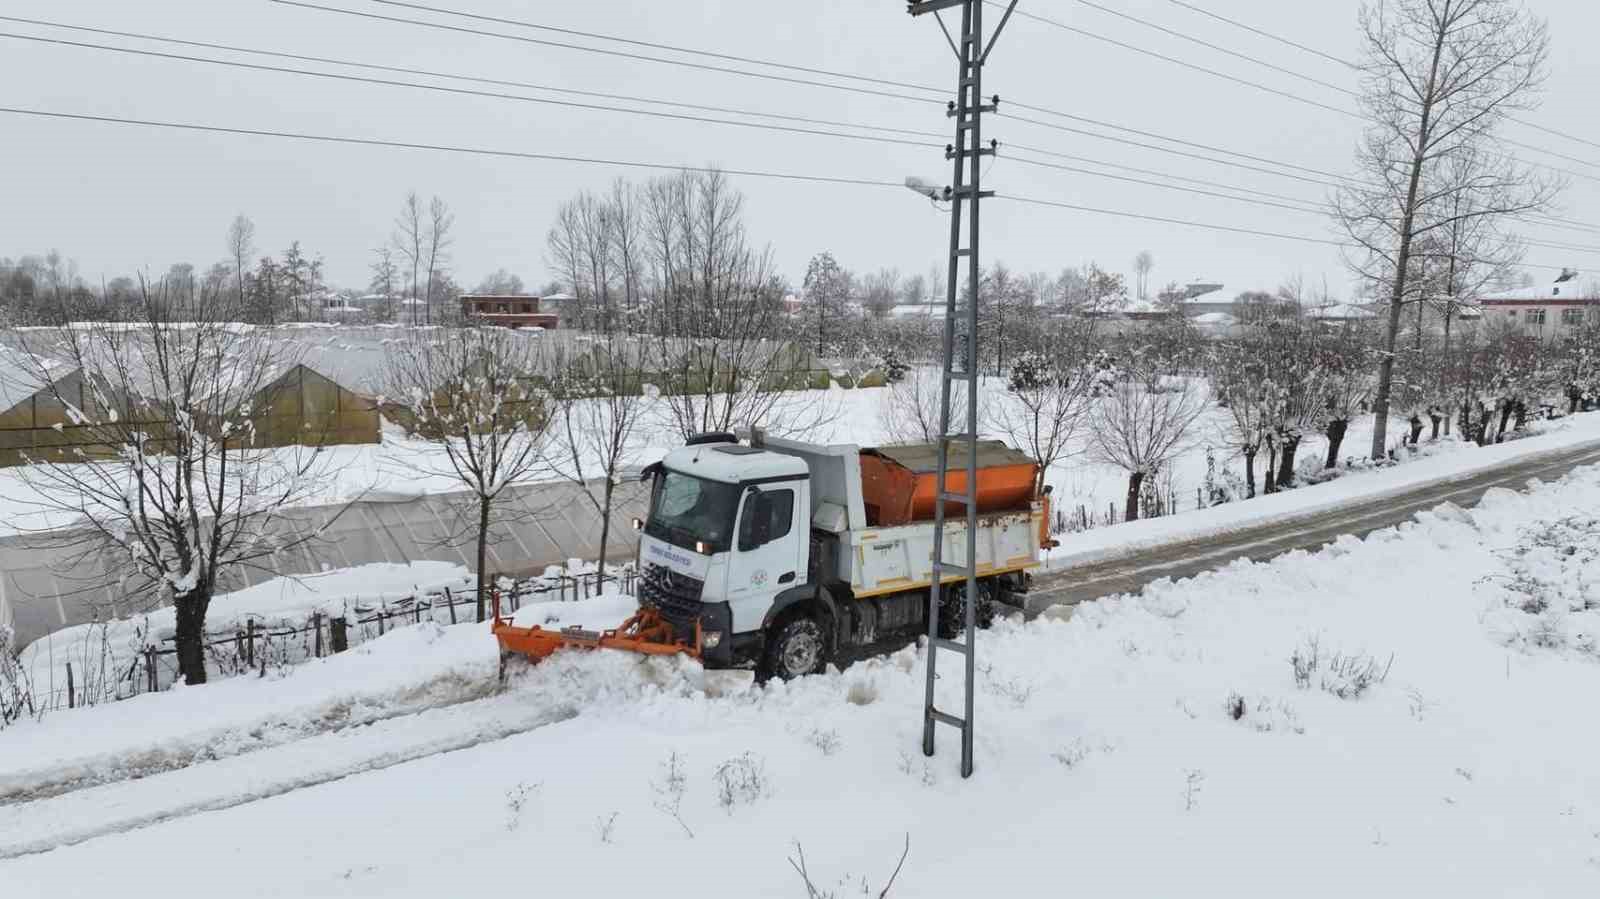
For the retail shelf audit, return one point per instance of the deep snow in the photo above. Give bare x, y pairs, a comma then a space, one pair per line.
1113, 758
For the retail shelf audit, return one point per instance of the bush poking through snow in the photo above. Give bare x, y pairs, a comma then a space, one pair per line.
669, 788
1192, 781
607, 826
1348, 677
798, 863
1234, 706
826, 741
516, 799
741, 780
1344, 676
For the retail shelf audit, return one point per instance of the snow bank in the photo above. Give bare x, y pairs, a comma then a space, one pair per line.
1151, 746
1559, 436
418, 667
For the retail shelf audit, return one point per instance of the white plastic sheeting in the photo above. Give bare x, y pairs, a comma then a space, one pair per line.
47, 583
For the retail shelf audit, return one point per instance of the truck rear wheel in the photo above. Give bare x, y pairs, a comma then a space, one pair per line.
952, 608
796, 649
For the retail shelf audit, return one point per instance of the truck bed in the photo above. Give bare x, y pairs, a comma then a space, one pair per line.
878, 561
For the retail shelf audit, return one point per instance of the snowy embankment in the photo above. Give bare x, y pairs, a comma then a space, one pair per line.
1402, 714
1465, 460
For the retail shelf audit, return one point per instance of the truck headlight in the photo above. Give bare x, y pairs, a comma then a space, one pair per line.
702, 548
710, 639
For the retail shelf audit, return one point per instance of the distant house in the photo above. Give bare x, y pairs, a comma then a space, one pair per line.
1542, 311
564, 306
916, 311
507, 311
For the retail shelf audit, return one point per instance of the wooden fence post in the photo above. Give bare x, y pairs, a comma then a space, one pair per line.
451, 602
316, 622
72, 696
250, 643
150, 668
416, 610
338, 635
381, 610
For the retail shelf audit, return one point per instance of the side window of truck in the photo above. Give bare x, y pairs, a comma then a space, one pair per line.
782, 513
778, 521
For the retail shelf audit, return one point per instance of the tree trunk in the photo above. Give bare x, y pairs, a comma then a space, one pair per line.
1416, 428
190, 636
1336, 429
1135, 479
1505, 419
1286, 466
1250, 473
1437, 420
484, 580
605, 532
1521, 409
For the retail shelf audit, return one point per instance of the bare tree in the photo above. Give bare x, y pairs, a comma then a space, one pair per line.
1047, 399
1142, 264
409, 239
879, 290
162, 461
241, 246
1140, 430
1441, 76
384, 275
438, 240
473, 392
717, 341
909, 408
598, 404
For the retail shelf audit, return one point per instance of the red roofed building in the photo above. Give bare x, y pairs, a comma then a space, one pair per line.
507, 311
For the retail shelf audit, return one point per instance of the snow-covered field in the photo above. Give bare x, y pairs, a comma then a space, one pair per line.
1402, 715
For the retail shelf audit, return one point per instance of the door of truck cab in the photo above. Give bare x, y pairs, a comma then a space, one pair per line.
769, 550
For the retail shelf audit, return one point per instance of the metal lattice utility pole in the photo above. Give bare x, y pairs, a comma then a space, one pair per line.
960, 365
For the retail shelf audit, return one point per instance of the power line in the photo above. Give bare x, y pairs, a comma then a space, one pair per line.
1191, 190
1266, 34
1134, 48
1155, 172
1345, 62
445, 148
604, 52
1289, 95
631, 164
1210, 226
658, 46
1120, 213
404, 70
362, 79
761, 75
1220, 49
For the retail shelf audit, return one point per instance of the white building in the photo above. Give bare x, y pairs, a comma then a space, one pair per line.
1544, 311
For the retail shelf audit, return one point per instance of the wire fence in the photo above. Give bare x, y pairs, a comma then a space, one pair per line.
258, 648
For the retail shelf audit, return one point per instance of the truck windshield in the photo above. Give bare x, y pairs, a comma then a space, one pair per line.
685, 509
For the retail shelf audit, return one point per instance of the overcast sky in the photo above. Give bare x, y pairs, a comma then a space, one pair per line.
120, 199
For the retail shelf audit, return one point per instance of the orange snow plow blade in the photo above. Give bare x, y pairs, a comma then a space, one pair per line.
645, 632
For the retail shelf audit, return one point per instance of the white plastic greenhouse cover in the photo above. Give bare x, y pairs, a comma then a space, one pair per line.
46, 585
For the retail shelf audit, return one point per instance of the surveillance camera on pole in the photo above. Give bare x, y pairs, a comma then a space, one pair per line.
927, 188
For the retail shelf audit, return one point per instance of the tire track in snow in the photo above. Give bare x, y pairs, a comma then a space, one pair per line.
33, 827
234, 741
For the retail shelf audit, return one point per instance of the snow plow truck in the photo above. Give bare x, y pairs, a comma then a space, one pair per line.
780, 554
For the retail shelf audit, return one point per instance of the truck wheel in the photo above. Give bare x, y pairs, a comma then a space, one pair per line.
953, 613
798, 648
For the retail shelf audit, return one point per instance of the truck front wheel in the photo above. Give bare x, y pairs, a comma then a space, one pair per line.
798, 648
